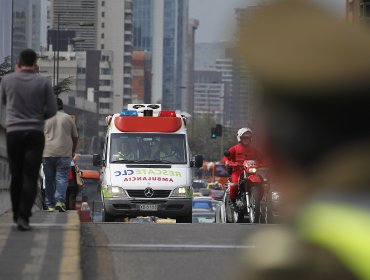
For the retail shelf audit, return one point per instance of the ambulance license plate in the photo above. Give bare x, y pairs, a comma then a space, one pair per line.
148, 207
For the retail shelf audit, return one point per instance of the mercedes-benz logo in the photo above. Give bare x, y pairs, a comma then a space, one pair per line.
148, 192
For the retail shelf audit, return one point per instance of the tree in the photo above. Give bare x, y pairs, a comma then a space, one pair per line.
200, 140
63, 86
5, 67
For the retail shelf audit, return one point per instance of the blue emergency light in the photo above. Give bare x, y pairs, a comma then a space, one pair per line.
128, 113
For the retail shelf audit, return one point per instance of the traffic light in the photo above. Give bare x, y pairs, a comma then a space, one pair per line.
213, 133
218, 130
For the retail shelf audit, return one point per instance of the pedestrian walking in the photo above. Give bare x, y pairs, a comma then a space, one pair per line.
29, 100
60, 145
313, 71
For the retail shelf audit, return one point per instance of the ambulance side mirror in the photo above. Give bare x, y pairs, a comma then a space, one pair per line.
97, 161
197, 162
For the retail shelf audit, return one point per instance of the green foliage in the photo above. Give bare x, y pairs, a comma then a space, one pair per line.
200, 142
63, 86
5, 67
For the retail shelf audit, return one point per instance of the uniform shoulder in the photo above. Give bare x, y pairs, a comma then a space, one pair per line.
281, 253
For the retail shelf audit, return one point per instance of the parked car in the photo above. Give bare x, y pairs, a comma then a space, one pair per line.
205, 216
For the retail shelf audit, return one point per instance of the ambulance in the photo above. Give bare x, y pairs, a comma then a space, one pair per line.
146, 165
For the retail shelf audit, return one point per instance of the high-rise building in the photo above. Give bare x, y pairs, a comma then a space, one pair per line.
26, 25
91, 76
243, 84
5, 29
76, 15
115, 34
143, 25
209, 93
161, 28
226, 67
141, 77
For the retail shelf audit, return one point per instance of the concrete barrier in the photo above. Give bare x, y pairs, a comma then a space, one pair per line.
4, 167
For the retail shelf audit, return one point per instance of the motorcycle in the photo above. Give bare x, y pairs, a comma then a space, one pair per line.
247, 206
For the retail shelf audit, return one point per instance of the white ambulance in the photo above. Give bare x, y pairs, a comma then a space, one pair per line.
147, 165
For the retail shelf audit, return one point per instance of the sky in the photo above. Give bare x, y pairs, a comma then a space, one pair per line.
216, 16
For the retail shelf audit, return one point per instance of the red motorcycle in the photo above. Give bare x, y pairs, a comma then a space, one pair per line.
247, 206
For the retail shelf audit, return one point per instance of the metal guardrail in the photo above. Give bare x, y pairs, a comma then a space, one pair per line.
4, 166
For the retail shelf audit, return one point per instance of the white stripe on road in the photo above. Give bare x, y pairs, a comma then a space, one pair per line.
177, 246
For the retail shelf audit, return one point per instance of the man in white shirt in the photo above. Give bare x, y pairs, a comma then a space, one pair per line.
60, 145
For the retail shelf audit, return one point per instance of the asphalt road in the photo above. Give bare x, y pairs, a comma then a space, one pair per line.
162, 251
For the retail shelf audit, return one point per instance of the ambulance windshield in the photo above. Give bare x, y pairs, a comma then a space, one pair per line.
148, 148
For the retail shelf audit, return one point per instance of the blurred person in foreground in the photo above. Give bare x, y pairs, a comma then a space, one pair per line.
29, 100
60, 146
313, 72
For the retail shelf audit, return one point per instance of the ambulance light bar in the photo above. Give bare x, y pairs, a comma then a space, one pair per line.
129, 113
167, 114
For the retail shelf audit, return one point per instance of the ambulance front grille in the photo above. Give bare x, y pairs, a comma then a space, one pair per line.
140, 193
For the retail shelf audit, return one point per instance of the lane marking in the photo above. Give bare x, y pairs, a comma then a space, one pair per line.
176, 246
69, 268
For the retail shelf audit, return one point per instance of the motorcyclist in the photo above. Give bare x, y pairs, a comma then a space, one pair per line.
238, 153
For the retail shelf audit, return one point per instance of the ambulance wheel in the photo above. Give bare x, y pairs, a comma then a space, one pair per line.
107, 217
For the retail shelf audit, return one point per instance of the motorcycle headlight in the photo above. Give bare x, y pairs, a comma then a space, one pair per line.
183, 192
275, 196
252, 170
112, 191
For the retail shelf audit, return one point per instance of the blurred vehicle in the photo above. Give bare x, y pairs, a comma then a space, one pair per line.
215, 186
204, 216
197, 185
214, 172
88, 171
216, 190
203, 202
204, 192
217, 194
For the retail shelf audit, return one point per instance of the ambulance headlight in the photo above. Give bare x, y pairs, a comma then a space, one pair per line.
182, 192
112, 191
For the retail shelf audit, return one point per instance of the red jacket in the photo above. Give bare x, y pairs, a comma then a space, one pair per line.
239, 153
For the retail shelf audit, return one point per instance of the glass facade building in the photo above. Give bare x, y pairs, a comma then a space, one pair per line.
175, 17
142, 20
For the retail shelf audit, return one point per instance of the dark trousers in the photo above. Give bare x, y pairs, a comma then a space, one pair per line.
25, 155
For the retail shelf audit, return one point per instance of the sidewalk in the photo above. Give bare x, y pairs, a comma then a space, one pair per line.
51, 250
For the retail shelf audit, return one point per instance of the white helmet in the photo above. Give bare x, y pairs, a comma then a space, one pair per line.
242, 131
